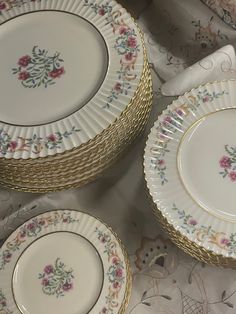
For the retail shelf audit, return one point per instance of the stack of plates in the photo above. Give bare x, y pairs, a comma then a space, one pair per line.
76, 90
190, 169
64, 261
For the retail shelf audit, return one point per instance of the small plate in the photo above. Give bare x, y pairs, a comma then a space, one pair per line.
72, 68
190, 166
63, 261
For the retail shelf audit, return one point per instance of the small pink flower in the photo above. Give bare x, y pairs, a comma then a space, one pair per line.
67, 286
132, 42
52, 138
123, 30
22, 234
205, 99
103, 239
31, 226
225, 162
56, 73
3, 6
12, 145
180, 112
3, 303
23, 75
232, 175
65, 220
41, 222
115, 260
161, 162
225, 241
192, 222
45, 282
119, 272
101, 12
167, 120
24, 61
104, 311
116, 285
129, 56
7, 256
48, 269
117, 87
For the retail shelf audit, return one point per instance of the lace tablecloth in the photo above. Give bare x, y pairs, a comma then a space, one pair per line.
165, 280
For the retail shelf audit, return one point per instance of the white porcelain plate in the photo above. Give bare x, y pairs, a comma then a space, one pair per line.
190, 166
61, 262
68, 70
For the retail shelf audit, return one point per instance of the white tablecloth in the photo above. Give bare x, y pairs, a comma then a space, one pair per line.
165, 280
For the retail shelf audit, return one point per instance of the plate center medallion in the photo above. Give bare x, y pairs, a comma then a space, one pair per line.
54, 68
207, 163
59, 273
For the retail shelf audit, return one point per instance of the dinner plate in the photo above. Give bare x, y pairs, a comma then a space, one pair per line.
190, 167
72, 68
63, 261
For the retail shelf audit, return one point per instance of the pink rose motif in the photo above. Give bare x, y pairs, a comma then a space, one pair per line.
132, 42
52, 138
161, 162
67, 286
3, 6
104, 311
48, 269
115, 260
123, 30
45, 282
180, 112
56, 73
232, 175
116, 285
128, 56
31, 226
103, 239
22, 234
65, 220
3, 303
41, 222
7, 256
225, 162
205, 99
23, 75
225, 241
119, 272
101, 12
24, 61
117, 87
12, 145
167, 120
192, 222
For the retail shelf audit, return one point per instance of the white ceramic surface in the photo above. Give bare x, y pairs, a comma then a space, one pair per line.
72, 67
63, 261
190, 166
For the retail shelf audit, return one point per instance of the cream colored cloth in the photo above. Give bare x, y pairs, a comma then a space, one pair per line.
220, 65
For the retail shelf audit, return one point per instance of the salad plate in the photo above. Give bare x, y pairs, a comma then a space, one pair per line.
63, 261
190, 169
72, 68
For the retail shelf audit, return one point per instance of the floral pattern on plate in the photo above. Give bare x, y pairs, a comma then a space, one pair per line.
35, 144
115, 274
172, 122
206, 233
39, 69
3, 304
56, 279
6, 5
228, 163
126, 45
32, 229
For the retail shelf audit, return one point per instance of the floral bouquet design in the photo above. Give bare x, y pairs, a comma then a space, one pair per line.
56, 280
228, 163
39, 69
